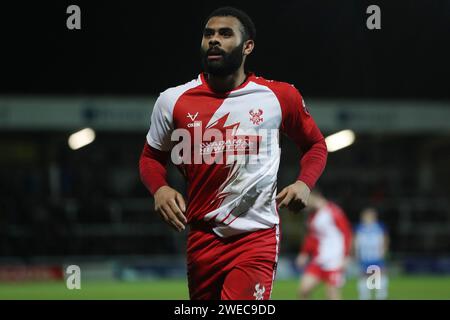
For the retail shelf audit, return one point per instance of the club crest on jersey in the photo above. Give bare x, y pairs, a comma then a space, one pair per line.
256, 117
259, 292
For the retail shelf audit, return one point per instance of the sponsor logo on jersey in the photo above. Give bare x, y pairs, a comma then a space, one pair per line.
234, 145
194, 123
192, 117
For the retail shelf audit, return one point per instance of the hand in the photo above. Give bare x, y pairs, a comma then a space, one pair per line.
170, 205
301, 260
294, 196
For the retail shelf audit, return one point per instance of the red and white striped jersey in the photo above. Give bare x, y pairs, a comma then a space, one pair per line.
235, 196
329, 237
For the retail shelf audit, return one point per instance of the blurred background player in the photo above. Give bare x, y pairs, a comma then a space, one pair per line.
371, 245
326, 247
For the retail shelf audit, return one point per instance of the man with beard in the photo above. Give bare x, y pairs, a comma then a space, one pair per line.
233, 117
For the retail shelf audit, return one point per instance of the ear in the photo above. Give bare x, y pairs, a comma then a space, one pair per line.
248, 47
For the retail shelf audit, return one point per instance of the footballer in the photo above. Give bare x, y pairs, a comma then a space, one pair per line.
222, 131
325, 252
371, 246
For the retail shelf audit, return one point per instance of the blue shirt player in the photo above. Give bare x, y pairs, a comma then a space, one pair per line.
371, 245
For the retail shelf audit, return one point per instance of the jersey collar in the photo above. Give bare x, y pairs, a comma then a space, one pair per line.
202, 79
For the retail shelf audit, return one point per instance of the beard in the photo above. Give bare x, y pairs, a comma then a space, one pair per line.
229, 63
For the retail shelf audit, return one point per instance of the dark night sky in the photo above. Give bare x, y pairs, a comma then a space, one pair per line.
323, 47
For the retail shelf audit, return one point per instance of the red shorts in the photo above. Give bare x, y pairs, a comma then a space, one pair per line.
335, 278
240, 267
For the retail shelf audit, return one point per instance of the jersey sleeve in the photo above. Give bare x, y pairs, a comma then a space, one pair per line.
161, 126
298, 124
152, 168
309, 245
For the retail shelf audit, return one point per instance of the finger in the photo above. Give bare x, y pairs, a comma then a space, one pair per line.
174, 225
286, 200
282, 194
177, 211
180, 201
167, 218
173, 218
162, 214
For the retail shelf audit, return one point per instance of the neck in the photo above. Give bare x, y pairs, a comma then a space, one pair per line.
226, 83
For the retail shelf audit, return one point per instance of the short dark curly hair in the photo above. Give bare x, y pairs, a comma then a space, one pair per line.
249, 31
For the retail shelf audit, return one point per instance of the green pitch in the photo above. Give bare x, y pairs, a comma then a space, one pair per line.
423, 287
